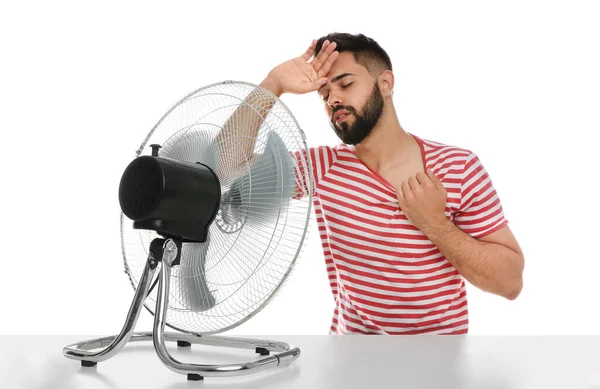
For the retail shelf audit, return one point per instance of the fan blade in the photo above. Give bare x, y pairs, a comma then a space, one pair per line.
194, 292
269, 184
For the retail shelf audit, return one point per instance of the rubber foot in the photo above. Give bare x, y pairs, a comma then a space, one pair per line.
183, 343
194, 377
262, 351
88, 363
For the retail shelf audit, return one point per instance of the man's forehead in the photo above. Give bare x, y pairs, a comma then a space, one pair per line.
344, 63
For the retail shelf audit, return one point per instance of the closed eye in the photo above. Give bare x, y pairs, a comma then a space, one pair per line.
343, 87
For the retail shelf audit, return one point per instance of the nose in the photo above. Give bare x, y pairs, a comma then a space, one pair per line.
333, 100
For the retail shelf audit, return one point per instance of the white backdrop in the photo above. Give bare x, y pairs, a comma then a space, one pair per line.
81, 85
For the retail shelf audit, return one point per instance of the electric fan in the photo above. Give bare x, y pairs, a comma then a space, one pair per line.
209, 216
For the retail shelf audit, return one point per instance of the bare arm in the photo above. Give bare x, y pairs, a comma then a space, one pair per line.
300, 75
493, 263
236, 140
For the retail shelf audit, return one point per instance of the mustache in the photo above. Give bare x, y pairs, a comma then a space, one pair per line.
344, 108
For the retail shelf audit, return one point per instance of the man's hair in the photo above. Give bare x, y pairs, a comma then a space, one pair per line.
366, 51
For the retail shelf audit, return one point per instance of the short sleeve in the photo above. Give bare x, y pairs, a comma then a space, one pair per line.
320, 159
480, 212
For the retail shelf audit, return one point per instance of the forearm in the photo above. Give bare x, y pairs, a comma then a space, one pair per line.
489, 266
237, 138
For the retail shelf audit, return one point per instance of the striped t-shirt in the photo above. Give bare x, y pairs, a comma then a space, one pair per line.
385, 275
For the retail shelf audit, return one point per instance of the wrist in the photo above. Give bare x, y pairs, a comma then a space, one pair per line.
435, 227
271, 85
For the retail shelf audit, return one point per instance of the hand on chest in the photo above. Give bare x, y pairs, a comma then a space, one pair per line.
421, 195
405, 189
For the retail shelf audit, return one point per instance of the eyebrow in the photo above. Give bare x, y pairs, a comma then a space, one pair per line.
337, 78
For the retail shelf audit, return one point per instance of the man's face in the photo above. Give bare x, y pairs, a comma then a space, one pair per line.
353, 100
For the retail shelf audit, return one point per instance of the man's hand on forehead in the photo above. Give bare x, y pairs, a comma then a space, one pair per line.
303, 74
323, 61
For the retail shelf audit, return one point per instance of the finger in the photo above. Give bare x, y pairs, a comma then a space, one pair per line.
320, 53
406, 191
326, 55
323, 56
413, 183
423, 179
328, 64
320, 82
399, 194
310, 51
435, 179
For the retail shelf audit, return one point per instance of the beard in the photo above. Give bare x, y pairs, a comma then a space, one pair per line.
364, 122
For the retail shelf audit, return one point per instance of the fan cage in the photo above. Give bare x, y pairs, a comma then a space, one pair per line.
197, 120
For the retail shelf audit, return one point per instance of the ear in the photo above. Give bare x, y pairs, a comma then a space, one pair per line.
386, 83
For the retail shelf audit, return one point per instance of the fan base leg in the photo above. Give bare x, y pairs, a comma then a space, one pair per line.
194, 377
274, 354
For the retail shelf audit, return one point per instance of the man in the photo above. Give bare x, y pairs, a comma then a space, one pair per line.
404, 221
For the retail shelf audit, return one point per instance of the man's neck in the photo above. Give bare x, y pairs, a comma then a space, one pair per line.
386, 144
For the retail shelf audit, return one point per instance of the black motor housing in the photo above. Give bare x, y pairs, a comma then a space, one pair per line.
174, 198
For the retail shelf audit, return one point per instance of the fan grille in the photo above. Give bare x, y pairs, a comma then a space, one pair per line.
252, 246
141, 188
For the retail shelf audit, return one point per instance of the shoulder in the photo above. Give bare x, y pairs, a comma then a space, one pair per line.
329, 153
434, 150
439, 155
321, 157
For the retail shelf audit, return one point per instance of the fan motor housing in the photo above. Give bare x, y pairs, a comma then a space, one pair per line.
176, 199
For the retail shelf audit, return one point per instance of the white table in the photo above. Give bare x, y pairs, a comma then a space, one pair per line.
371, 362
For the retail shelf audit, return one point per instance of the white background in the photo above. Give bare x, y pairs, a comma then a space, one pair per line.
81, 85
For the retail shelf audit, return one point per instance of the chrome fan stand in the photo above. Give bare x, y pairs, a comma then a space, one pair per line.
168, 252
